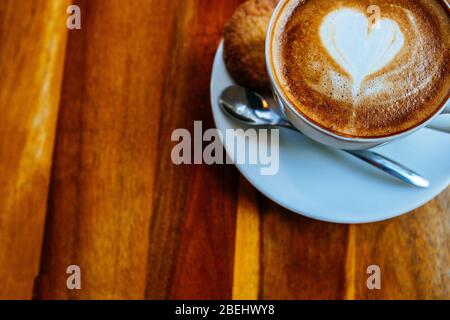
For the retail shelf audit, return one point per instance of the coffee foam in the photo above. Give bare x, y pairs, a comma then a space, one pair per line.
356, 46
358, 79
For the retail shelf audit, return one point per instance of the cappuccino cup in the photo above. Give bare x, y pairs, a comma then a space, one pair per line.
356, 74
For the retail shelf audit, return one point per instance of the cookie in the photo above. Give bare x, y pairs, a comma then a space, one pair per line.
244, 44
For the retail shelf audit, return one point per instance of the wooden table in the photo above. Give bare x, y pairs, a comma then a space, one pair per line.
86, 176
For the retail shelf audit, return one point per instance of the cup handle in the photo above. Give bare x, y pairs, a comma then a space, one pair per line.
442, 121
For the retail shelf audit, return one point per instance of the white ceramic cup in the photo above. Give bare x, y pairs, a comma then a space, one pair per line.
438, 120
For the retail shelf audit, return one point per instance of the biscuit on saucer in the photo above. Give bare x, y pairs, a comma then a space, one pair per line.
244, 43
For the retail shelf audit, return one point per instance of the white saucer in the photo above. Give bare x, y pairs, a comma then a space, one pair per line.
326, 184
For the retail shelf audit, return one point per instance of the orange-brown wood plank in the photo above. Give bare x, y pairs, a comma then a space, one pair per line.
103, 177
247, 257
32, 45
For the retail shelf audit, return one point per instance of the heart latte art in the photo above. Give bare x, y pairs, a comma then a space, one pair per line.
359, 48
357, 78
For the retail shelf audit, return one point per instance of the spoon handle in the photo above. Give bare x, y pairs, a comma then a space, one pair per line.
391, 167
380, 162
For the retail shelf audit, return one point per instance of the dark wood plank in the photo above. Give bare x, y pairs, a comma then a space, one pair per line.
301, 258
192, 234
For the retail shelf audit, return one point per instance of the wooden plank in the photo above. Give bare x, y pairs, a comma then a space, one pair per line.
301, 258
193, 230
246, 276
32, 46
107, 146
306, 259
412, 252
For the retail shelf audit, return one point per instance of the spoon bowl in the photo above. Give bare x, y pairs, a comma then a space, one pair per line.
250, 108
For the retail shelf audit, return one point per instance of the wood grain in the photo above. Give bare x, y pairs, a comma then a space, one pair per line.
103, 175
412, 252
306, 259
113, 179
32, 45
247, 265
139, 226
193, 230
301, 258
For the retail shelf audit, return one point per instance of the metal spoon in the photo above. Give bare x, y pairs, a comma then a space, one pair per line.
252, 109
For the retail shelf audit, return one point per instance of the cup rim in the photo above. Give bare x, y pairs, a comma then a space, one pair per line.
277, 86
